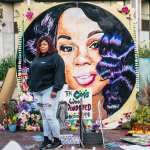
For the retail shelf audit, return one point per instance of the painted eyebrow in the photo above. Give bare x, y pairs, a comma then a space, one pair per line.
64, 37
94, 32
89, 35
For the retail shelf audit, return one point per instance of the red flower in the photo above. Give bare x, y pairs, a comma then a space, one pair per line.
29, 14
125, 10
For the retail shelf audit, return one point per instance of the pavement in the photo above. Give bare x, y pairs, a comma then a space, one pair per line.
25, 139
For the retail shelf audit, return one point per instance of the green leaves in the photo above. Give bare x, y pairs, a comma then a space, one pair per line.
5, 64
144, 53
142, 115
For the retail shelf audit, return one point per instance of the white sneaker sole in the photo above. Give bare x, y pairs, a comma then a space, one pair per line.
60, 146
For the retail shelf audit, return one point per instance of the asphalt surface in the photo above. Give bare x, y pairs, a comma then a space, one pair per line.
25, 139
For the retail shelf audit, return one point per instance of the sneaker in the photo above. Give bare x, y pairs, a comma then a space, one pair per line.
56, 145
45, 145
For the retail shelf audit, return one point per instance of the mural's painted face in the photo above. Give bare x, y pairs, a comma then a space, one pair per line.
44, 47
78, 44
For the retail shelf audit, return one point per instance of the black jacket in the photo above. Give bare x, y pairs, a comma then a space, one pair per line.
46, 71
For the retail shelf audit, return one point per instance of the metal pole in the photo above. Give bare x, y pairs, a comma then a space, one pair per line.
81, 123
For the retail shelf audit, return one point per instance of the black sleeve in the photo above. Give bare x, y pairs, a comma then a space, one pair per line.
59, 77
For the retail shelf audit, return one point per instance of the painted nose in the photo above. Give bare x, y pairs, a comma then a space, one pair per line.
82, 58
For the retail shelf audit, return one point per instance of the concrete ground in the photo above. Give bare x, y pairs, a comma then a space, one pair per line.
27, 142
25, 139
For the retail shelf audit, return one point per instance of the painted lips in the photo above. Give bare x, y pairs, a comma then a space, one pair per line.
85, 80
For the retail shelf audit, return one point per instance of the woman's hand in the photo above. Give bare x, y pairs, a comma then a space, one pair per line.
53, 94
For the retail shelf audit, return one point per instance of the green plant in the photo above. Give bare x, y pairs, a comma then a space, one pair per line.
143, 96
13, 119
11, 116
2, 112
5, 64
144, 52
142, 114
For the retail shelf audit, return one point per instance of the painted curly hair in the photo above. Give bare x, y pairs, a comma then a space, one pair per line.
117, 65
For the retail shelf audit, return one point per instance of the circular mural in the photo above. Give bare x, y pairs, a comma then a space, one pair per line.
97, 49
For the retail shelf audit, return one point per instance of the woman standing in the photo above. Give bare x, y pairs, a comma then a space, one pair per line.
46, 79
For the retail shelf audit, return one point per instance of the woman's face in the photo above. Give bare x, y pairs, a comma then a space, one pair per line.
44, 47
78, 43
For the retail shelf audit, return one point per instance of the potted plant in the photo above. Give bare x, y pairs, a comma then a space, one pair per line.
11, 116
12, 123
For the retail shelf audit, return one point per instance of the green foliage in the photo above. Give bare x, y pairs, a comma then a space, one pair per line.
2, 115
143, 96
8, 112
12, 111
144, 52
5, 64
126, 125
14, 119
142, 115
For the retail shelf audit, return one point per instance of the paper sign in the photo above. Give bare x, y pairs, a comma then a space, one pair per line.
76, 98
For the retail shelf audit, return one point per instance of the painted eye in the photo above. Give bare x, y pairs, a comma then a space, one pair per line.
65, 48
94, 45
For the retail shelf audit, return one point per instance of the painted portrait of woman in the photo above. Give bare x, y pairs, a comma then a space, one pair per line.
96, 47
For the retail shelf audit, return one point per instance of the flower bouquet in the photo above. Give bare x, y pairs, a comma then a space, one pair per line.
10, 118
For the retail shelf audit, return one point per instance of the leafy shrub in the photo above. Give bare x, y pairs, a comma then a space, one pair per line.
144, 53
5, 64
142, 114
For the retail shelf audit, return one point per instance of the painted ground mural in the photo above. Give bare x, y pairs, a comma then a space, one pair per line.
98, 51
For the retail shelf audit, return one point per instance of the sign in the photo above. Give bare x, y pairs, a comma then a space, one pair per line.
76, 98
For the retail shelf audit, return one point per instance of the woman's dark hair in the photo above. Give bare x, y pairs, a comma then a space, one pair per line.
116, 48
51, 48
